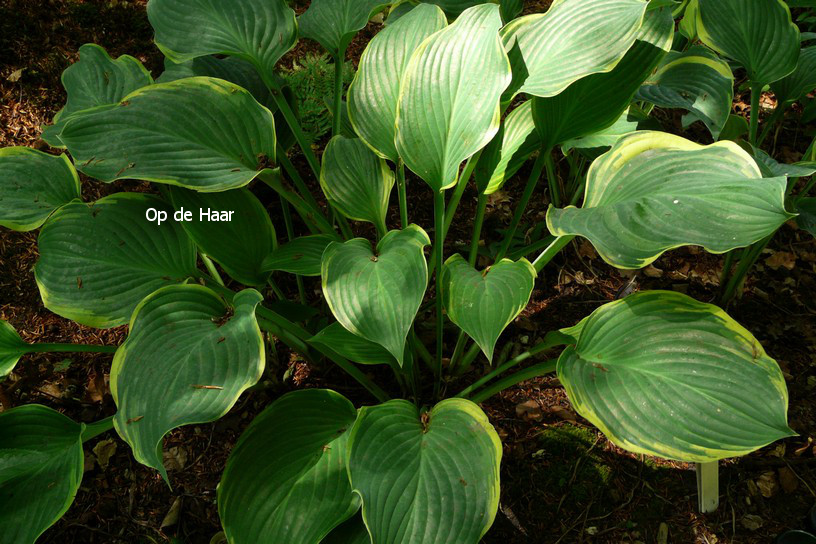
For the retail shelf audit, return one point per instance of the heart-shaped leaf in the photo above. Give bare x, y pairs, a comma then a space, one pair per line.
333, 23
509, 149
654, 191
377, 295
241, 243
259, 31
445, 464
32, 185
759, 34
373, 94
187, 359
696, 80
595, 102
352, 347
799, 82
12, 348
175, 133
233, 69
662, 374
449, 100
301, 256
95, 80
286, 478
572, 40
356, 181
97, 261
40, 471
483, 303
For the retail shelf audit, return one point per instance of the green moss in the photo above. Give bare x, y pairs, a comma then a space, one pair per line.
312, 81
567, 446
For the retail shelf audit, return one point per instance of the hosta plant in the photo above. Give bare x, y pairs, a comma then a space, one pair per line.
451, 92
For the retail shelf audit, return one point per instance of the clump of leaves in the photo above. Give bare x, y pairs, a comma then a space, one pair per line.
311, 79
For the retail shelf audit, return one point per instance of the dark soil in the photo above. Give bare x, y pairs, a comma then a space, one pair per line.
562, 481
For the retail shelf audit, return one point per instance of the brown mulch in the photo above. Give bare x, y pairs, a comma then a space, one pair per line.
581, 489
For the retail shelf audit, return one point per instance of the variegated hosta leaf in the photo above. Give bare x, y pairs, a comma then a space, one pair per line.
449, 100
603, 139
240, 244
232, 69
95, 80
595, 102
301, 256
41, 465
97, 261
799, 82
696, 80
373, 94
654, 191
483, 303
174, 133
759, 34
455, 7
662, 374
509, 149
356, 181
12, 348
771, 168
352, 347
260, 31
187, 359
32, 185
333, 23
444, 464
572, 40
286, 478
376, 295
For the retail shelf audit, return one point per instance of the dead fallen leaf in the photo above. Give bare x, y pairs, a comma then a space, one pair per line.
752, 522
562, 413
767, 484
15, 76
175, 458
171, 518
529, 410
652, 271
788, 480
586, 250
104, 450
781, 259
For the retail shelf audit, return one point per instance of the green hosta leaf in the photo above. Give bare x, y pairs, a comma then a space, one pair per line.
654, 191
95, 80
806, 208
800, 82
301, 256
516, 140
483, 303
662, 374
286, 478
12, 348
187, 359
604, 138
373, 94
351, 531
595, 102
97, 261
696, 80
455, 7
377, 295
333, 23
772, 168
240, 244
688, 25
352, 347
735, 128
32, 185
259, 31
449, 101
232, 69
759, 34
445, 464
41, 464
175, 133
356, 181
572, 40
